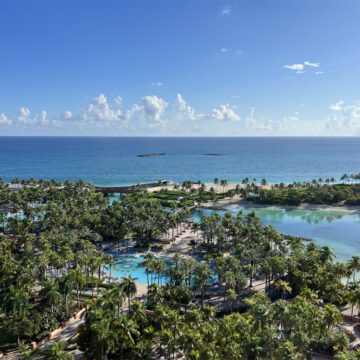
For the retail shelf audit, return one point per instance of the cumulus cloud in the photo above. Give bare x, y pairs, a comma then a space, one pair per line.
154, 106
4, 120
42, 119
337, 106
252, 121
344, 117
118, 100
155, 115
100, 110
67, 115
224, 112
188, 111
225, 10
24, 116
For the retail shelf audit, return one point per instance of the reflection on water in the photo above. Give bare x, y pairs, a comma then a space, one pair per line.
338, 229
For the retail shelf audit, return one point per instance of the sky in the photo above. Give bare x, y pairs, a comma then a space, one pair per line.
180, 68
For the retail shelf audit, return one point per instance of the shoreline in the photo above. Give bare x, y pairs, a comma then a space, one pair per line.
305, 206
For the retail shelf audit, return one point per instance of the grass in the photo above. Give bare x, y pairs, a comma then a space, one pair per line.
180, 198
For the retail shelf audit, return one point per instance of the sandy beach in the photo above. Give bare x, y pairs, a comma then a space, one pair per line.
237, 200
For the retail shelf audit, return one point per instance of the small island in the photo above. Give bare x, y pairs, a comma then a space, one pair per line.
151, 154
213, 154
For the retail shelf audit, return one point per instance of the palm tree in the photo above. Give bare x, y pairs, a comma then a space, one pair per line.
224, 183
78, 279
148, 264
125, 329
216, 182
118, 295
332, 315
66, 285
103, 338
56, 351
283, 287
129, 288
15, 301
50, 293
354, 266
203, 274
25, 352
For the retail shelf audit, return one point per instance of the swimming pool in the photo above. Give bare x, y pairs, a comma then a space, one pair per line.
130, 265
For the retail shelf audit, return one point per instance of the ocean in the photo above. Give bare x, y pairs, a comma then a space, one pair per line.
114, 160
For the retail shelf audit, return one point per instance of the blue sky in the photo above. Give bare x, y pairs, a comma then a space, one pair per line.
197, 68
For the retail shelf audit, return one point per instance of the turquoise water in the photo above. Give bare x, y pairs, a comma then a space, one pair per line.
340, 230
111, 161
131, 266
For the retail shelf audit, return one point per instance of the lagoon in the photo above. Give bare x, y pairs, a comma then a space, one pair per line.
338, 229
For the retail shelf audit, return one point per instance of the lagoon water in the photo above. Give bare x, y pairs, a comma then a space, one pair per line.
338, 229
113, 160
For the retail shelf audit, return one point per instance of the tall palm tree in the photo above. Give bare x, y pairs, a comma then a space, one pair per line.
126, 330
77, 276
50, 293
15, 301
354, 266
129, 288
202, 276
103, 338
66, 286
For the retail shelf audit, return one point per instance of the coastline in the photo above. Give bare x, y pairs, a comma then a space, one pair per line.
351, 209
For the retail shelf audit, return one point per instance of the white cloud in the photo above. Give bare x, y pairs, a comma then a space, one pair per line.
337, 106
308, 63
118, 100
157, 84
344, 117
100, 110
154, 106
67, 115
299, 68
187, 110
295, 66
154, 115
24, 116
230, 51
42, 119
225, 10
319, 72
253, 122
4, 120
224, 112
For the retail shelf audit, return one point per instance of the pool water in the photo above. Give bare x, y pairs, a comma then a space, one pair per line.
129, 265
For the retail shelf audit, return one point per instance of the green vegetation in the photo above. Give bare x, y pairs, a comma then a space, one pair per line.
335, 194
188, 195
247, 291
